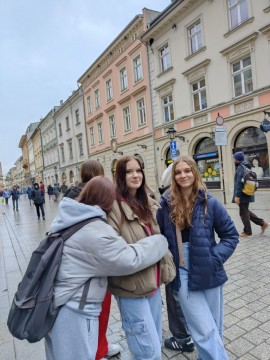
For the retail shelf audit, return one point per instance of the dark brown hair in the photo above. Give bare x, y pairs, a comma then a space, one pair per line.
139, 204
98, 191
89, 169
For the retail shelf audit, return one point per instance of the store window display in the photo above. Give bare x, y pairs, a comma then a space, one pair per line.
252, 141
256, 168
206, 157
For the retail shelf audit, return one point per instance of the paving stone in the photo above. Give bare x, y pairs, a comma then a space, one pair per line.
262, 351
240, 347
256, 336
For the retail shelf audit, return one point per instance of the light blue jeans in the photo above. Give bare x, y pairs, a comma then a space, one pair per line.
74, 334
142, 322
203, 312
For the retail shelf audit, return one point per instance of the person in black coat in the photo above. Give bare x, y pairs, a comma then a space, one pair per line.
38, 199
243, 200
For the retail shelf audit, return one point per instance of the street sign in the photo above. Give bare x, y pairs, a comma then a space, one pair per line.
220, 136
173, 149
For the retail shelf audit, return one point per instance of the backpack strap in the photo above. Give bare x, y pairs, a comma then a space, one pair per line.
67, 232
84, 294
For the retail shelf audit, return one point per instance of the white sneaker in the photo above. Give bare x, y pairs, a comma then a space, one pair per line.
113, 349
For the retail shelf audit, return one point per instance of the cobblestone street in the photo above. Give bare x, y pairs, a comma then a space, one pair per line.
247, 293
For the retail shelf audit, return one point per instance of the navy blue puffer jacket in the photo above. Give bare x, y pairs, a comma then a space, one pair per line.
206, 256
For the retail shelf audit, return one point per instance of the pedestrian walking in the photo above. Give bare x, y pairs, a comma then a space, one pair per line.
243, 200
93, 252
63, 188
29, 194
138, 296
189, 217
15, 195
50, 192
38, 199
89, 169
181, 340
6, 195
56, 191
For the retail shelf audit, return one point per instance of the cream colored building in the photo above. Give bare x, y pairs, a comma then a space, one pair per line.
24, 145
211, 59
49, 148
71, 136
38, 156
117, 101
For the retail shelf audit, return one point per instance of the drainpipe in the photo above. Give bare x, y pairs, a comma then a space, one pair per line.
152, 120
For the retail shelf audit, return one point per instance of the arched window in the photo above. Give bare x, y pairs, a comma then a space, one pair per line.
206, 157
140, 158
252, 141
169, 159
71, 177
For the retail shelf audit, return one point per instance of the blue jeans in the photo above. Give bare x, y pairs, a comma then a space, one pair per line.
142, 322
203, 312
15, 203
74, 334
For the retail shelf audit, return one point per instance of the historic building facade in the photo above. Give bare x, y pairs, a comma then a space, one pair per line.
117, 101
49, 148
204, 67
71, 137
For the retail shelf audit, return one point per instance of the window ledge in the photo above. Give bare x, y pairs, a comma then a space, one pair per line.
232, 30
195, 53
165, 72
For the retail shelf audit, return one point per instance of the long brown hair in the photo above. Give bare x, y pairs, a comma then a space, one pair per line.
182, 209
139, 204
89, 169
98, 191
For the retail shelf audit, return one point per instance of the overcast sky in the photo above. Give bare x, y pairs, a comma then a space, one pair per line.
45, 46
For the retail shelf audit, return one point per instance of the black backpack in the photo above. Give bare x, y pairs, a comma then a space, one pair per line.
250, 181
32, 314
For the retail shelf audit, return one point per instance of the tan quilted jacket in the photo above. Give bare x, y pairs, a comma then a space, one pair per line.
131, 229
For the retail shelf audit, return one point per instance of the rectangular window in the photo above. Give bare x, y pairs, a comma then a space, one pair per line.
137, 66
100, 133
112, 126
126, 116
165, 59
123, 79
89, 105
109, 90
70, 150
141, 112
97, 98
168, 112
67, 123
199, 95
77, 116
62, 153
195, 37
80, 146
60, 129
92, 136
238, 12
242, 76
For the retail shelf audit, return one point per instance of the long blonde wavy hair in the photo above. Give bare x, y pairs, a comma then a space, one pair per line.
182, 209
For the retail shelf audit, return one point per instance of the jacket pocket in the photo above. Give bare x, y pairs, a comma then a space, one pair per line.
138, 339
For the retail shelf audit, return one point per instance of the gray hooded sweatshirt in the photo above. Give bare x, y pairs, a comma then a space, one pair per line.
96, 251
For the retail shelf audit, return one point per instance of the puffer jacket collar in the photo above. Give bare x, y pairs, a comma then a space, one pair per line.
129, 212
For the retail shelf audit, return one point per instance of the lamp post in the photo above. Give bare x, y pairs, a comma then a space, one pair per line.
220, 140
173, 146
